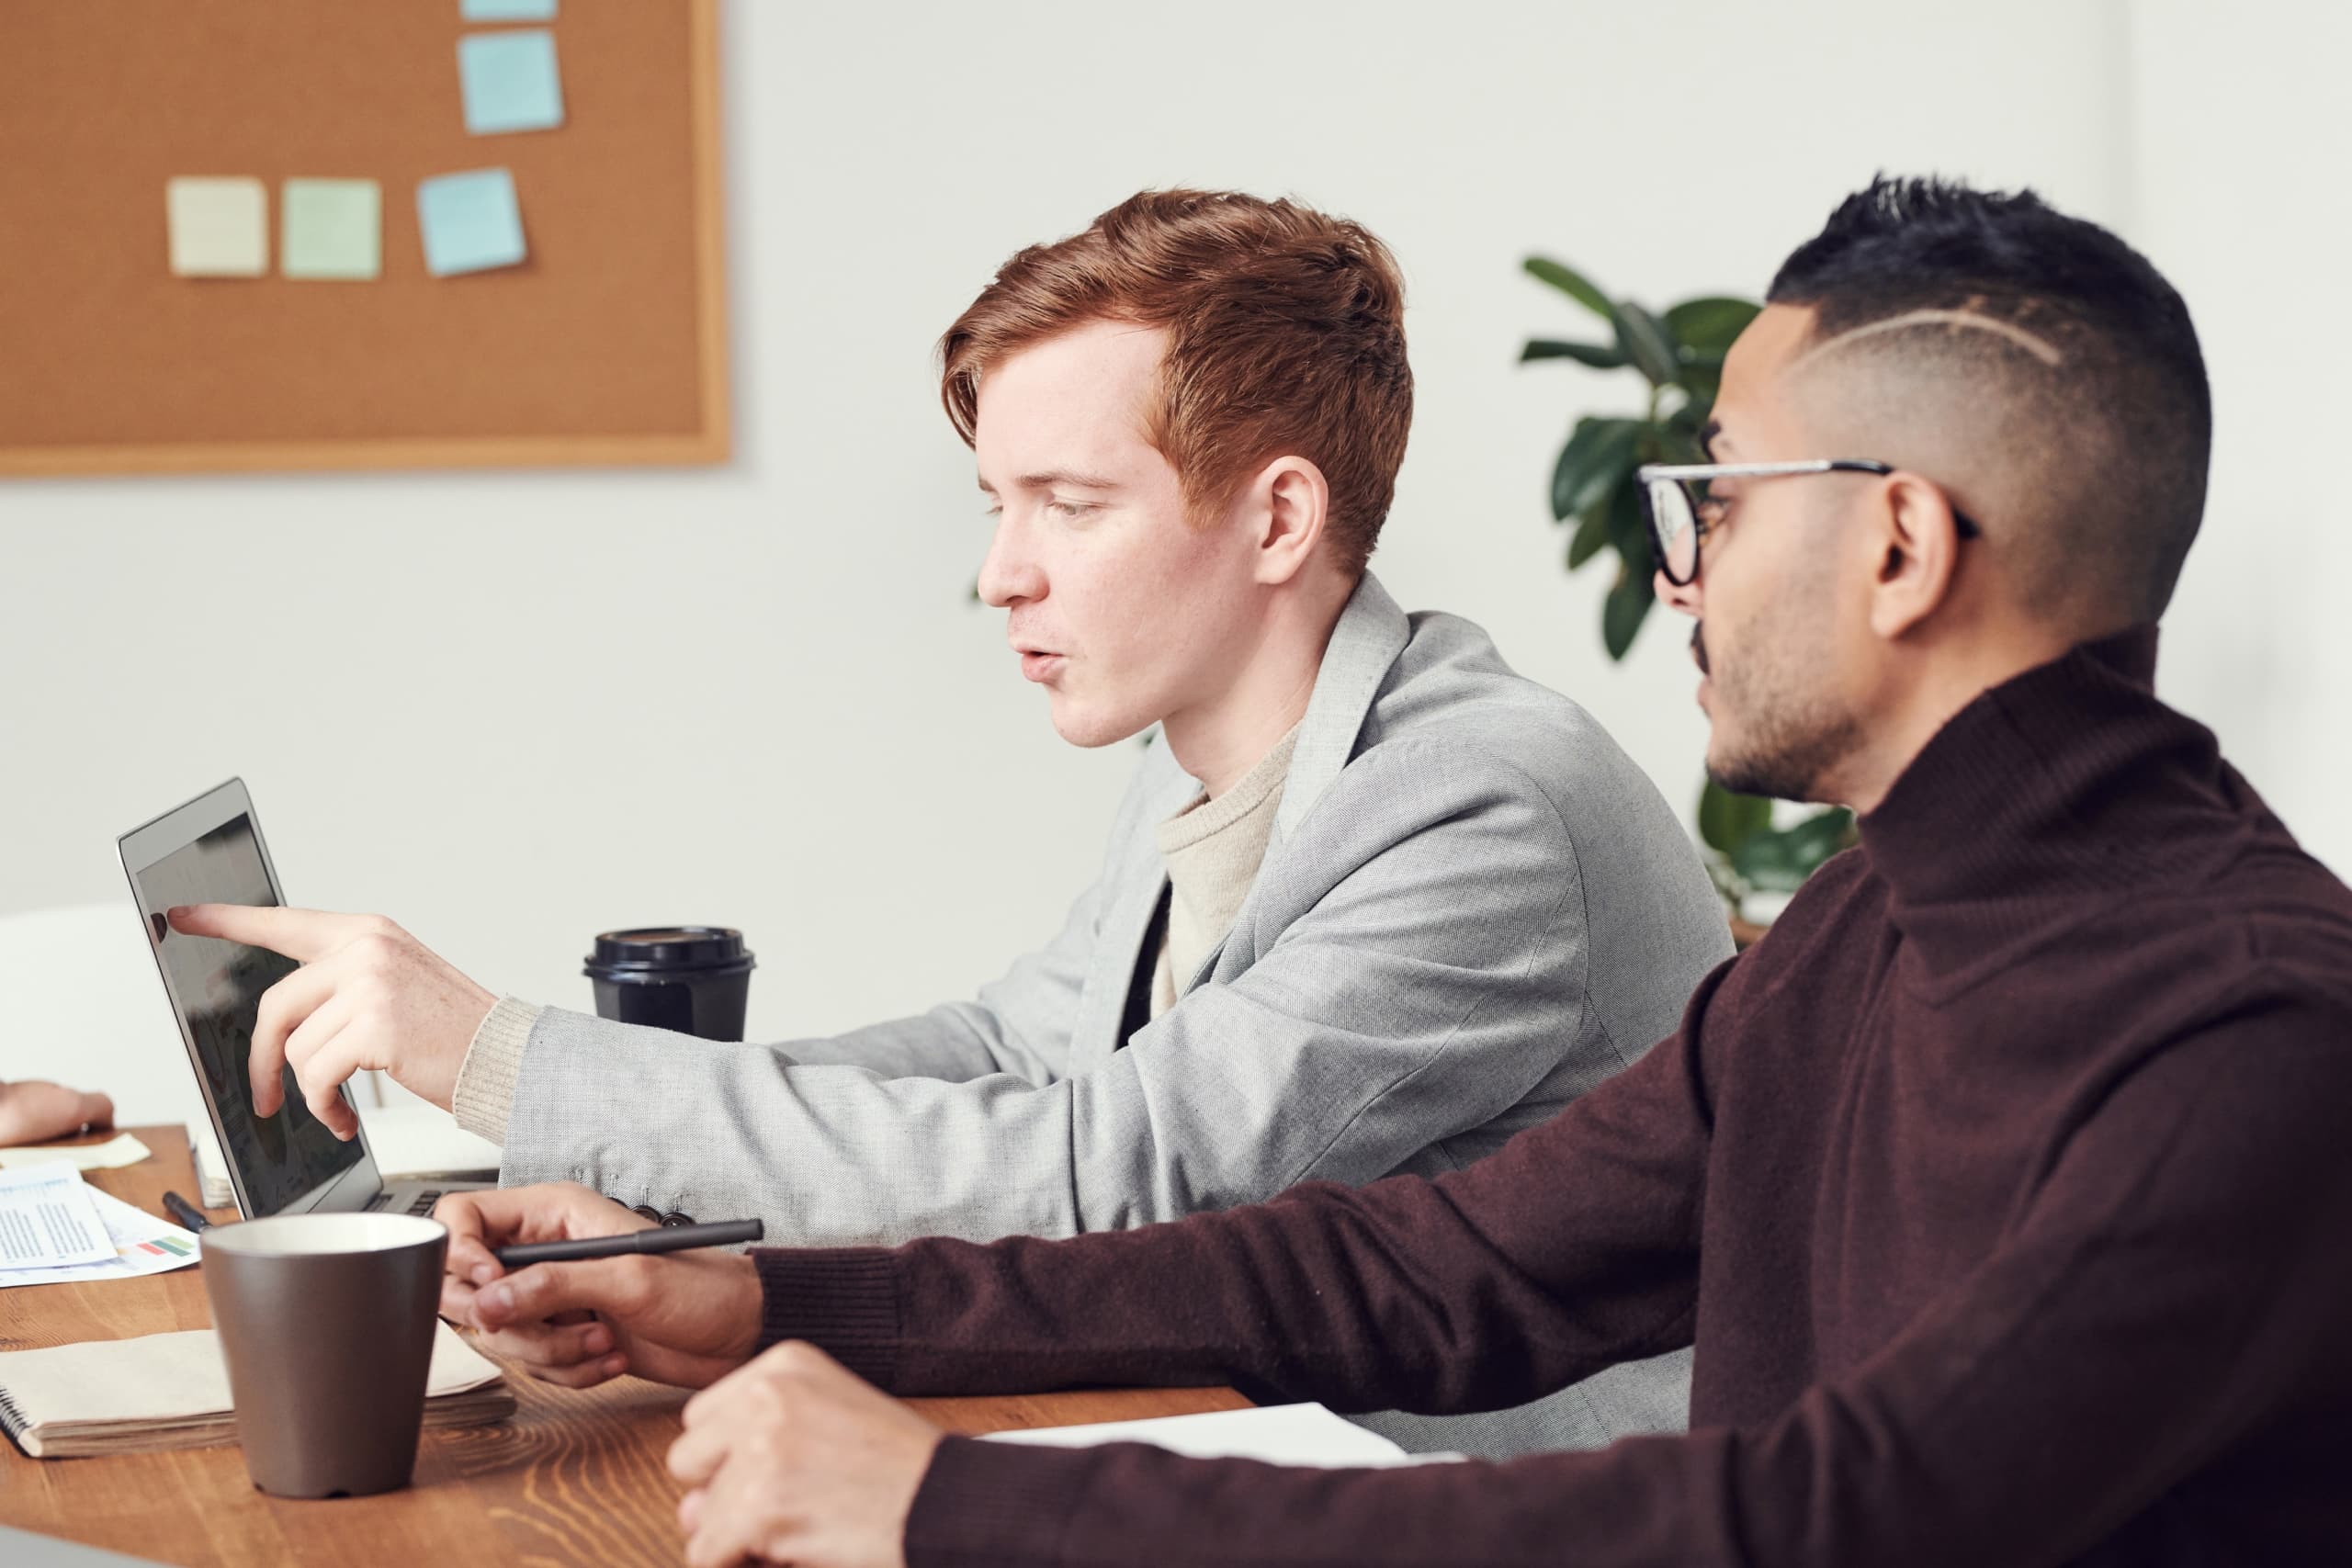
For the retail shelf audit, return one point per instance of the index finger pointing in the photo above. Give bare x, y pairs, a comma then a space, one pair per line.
300, 934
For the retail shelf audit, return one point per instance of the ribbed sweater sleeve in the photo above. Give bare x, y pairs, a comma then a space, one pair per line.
1439, 1297
484, 1095
2196, 1218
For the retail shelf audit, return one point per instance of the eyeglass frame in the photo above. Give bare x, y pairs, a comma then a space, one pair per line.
1681, 474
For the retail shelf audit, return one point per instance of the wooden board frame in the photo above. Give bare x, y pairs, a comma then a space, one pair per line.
710, 444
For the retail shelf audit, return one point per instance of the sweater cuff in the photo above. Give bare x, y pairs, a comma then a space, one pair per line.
484, 1096
843, 1300
986, 1504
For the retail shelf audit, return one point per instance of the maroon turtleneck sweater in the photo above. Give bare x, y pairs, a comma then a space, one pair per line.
2005, 1189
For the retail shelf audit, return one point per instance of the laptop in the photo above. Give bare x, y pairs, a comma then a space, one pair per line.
210, 852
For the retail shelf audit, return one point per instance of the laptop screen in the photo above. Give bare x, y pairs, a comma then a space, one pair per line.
217, 987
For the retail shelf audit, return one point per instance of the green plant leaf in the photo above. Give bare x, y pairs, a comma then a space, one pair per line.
1570, 282
1600, 357
1622, 611
1780, 860
1629, 531
1646, 343
1592, 533
1822, 835
1678, 432
1701, 386
1710, 324
1765, 862
1726, 821
1598, 453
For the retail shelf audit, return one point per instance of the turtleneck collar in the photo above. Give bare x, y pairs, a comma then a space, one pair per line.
2070, 779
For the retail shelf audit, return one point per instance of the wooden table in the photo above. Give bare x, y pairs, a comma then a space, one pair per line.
573, 1477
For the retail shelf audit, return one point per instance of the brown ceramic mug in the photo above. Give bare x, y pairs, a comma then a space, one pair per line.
326, 1322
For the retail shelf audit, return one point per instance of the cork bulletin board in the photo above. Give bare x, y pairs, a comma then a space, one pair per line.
605, 344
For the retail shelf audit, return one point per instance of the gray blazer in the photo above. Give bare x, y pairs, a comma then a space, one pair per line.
1473, 909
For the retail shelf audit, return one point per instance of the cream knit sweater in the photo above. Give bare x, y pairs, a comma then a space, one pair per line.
1213, 849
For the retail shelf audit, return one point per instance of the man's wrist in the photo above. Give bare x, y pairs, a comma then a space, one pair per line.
748, 1311
842, 1300
483, 1097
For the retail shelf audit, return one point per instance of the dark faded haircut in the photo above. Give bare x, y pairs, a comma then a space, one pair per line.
2124, 417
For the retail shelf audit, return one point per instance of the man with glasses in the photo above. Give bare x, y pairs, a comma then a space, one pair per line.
2001, 1189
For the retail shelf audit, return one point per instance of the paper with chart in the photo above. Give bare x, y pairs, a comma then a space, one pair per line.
48, 1221
138, 1243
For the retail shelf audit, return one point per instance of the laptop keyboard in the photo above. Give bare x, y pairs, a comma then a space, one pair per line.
423, 1205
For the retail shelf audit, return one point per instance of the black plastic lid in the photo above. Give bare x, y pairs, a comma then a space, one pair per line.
667, 949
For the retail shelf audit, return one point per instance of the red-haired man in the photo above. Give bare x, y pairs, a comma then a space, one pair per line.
1374, 903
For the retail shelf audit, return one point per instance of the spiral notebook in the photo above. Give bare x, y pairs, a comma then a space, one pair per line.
171, 1391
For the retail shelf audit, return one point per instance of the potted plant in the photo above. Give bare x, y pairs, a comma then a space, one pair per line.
1679, 351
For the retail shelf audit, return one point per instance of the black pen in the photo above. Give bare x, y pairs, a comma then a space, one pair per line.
188, 1215
653, 1238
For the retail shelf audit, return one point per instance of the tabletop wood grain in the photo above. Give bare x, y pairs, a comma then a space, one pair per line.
575, 1477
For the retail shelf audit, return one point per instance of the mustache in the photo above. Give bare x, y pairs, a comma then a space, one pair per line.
1699, 649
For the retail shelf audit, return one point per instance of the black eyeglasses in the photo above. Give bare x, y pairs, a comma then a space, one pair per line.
1675, 502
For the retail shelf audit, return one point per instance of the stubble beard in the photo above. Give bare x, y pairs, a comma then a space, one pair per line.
1792, 736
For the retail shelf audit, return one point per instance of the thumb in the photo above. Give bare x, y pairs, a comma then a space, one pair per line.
543, 1290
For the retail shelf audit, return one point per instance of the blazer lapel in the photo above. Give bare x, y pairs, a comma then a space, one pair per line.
1118, 949
1372, 631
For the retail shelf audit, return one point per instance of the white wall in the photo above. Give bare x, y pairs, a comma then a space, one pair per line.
515, 709
2240, 146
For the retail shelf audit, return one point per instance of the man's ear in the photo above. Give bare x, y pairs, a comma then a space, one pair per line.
1917, 543
1289, 504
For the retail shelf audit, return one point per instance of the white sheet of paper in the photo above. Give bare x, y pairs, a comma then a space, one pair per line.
1279, 1434
141, 1245
113, 1155
47, 1220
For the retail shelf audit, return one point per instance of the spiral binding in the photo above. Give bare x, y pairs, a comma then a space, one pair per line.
12, 1416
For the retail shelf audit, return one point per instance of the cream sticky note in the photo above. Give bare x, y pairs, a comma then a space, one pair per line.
471, 222
331, 229
124, 1149
219, 228
510, 81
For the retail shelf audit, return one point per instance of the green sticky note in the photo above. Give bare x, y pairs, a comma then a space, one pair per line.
219, 228
506, 10
332, 229
510, 82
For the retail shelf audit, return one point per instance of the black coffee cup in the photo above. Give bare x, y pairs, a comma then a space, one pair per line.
694, 979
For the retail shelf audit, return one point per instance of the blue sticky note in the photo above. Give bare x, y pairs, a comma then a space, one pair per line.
510, 82
506, 10
471, 221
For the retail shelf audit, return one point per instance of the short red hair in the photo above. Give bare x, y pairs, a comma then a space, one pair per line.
1286, 335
